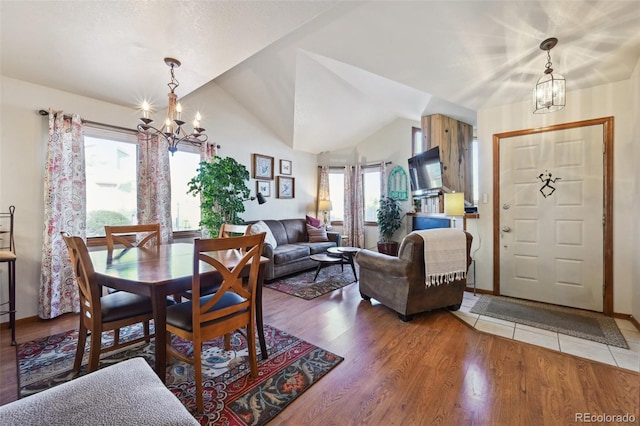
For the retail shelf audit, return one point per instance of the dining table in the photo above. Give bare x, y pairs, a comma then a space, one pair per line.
161, 271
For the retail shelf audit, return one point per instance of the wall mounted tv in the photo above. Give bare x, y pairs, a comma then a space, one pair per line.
425, 172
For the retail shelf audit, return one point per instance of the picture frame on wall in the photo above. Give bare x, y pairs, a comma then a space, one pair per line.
262, 167
285, 167
286, 187
263, 187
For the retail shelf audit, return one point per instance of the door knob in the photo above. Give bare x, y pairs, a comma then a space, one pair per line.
506, 229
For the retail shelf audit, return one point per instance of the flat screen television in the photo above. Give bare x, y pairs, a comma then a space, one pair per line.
425, 172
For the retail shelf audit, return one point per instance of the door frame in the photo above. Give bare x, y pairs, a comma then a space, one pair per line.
607, 158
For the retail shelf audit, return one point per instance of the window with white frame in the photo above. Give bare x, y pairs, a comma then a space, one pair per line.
336, 194
371, 191
111, 160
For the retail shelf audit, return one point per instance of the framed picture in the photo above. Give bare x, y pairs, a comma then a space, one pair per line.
286, 187
264, 187
285, 167
262, 167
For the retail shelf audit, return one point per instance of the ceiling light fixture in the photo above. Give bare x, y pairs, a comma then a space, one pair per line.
172, 129
549, 92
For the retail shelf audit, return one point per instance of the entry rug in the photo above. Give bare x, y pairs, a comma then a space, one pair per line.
231, 397
330, 278
583, 324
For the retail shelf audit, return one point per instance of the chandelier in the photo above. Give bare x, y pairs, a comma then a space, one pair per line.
549, 92
172, 130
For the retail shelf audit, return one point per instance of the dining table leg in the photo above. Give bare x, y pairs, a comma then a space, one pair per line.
159, 303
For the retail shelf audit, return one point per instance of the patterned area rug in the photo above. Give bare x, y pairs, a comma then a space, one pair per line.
583, 324
230, 396
302, 285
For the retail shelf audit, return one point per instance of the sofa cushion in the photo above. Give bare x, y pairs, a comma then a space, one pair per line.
317, 235
316, 223
296, 230
315, 248
288, 252
260, 227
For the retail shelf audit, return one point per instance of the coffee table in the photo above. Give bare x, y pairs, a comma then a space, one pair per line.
323, 260
346, 255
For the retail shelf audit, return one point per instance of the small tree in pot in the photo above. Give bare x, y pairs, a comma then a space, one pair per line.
222, 186
389, 217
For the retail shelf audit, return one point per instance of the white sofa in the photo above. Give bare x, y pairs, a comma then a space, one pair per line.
127, 393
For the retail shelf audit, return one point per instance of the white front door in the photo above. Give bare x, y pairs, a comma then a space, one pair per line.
551, 217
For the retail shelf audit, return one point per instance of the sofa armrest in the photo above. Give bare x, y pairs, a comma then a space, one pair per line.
336, 237
389, 265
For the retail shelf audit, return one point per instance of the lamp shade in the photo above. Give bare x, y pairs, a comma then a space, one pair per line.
454, 204
324, 205
260, 197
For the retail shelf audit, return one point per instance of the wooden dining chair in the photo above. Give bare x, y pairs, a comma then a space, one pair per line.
124, 234
8, 256
223, 312
102, 313
232, 230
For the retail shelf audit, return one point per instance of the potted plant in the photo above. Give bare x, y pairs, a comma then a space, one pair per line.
389, 216
221, 184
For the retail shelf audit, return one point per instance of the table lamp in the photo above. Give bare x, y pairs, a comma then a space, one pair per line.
325, 207
454, 205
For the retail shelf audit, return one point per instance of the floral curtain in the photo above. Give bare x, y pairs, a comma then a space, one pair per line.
154, 185
353, 225
208, 150
64, 210
323, 186
384, 182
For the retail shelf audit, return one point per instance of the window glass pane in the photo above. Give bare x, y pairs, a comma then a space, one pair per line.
185, 208
336, 193
371, 182
111, 184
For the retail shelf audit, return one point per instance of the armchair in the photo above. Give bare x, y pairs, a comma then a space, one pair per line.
399, 282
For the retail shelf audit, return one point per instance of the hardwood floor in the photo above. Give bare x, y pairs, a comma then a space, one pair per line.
433, 370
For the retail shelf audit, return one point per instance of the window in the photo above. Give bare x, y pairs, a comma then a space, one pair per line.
371, 191
417, 143
336, 193
185, 208
111, 159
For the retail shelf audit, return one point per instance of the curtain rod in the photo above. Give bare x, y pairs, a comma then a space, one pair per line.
364, 166
44, 113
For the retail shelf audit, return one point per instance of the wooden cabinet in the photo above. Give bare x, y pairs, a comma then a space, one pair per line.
454, 139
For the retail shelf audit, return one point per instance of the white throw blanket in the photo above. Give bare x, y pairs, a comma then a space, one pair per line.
445, 255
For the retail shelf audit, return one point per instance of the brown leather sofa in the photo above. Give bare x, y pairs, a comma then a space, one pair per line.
399, 282
293, 247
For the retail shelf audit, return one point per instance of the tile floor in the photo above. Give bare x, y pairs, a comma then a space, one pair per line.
624, 358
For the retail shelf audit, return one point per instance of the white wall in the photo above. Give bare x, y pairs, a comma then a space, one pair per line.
608, 100
390, 143
23, 137
635, 224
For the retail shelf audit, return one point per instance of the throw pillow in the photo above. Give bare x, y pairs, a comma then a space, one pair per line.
259, 227
316, 223
317, 235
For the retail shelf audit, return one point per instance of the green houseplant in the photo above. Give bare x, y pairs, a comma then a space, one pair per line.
222, 186
389, 215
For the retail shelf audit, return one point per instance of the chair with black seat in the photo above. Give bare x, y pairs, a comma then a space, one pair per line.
230, 308
226, 230
123, 234
8, 256
102, 313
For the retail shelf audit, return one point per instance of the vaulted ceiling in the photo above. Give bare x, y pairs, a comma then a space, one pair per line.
321, 75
